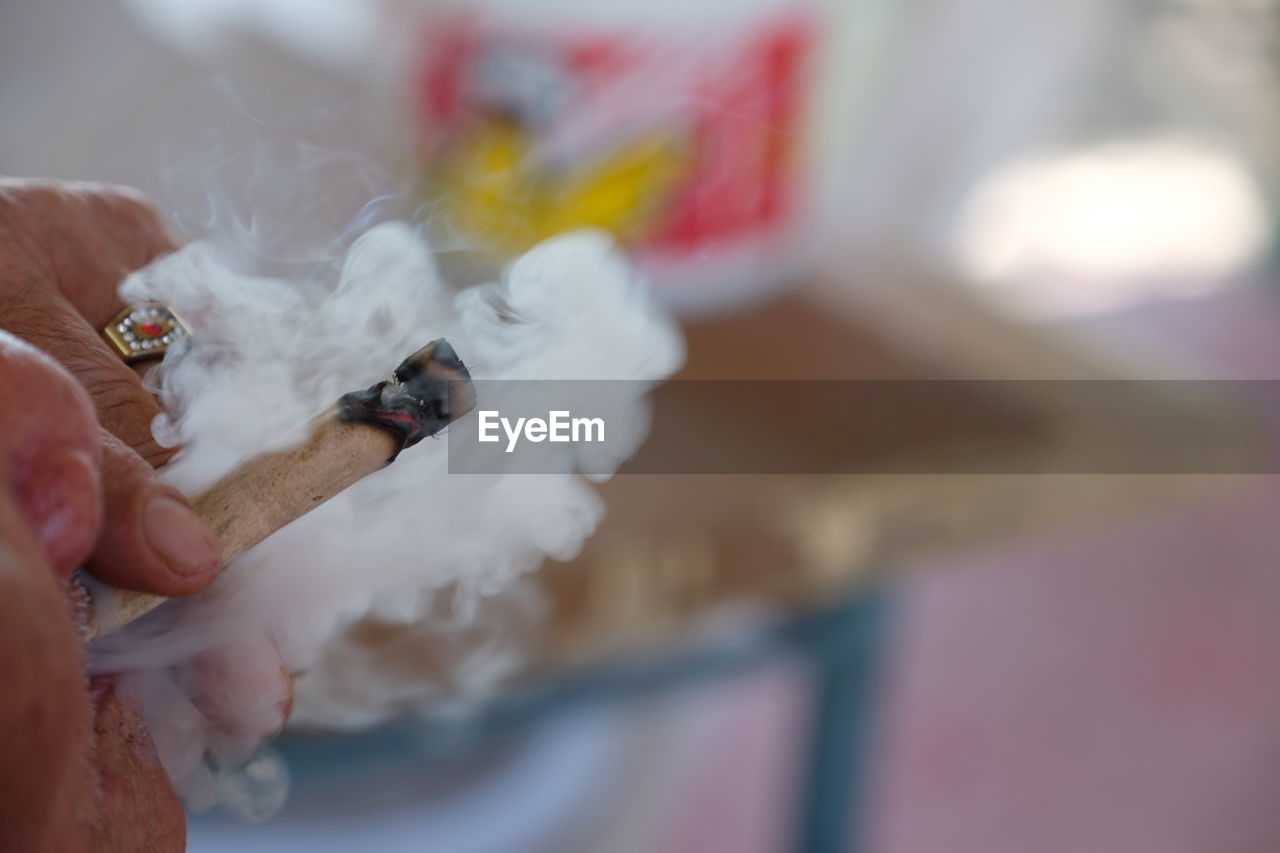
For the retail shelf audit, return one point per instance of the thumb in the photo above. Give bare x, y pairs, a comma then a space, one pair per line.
151, 539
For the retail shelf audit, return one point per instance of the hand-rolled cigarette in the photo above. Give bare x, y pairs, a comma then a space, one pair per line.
363, 433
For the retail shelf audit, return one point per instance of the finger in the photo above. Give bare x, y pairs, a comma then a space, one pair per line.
129, 232
151, 540
125, 408
244, 691
93, 235
49, 453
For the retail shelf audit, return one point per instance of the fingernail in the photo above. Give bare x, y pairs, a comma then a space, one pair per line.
183, 541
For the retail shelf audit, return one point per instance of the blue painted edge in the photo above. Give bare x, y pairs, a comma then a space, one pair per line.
848, 662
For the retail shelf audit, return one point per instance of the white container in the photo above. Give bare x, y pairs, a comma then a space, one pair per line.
709, 138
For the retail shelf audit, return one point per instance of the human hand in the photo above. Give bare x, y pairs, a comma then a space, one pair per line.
64, 249
76, 771
84, 491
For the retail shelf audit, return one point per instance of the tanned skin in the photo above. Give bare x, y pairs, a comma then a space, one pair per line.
78, 487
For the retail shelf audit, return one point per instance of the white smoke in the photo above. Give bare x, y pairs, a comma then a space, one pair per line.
266, 355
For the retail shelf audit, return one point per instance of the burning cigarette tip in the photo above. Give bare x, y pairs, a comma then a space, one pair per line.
428, 391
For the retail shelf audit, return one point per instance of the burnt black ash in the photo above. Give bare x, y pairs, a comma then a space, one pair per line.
428, 391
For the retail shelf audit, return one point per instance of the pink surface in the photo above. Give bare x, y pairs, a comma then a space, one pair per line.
742, 801
1117, 692
1121, 694
1118, 696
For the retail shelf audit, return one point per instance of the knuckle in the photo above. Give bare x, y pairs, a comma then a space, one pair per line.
23, 311
120, 202
24, 193
75, 347
64, 197
119, 463
125, 471
126, 409
116, 390
118, 394
153, 454
133, 219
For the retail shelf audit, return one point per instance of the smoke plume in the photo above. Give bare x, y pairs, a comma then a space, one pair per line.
266, 355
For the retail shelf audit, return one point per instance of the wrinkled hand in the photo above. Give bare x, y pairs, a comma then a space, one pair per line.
78, 487
64, 248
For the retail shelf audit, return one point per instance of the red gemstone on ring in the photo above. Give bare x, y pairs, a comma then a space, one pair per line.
151, 330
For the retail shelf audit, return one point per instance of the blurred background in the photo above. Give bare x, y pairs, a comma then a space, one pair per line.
918, 189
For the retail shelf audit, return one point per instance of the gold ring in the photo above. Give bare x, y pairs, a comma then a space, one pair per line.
145, 332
